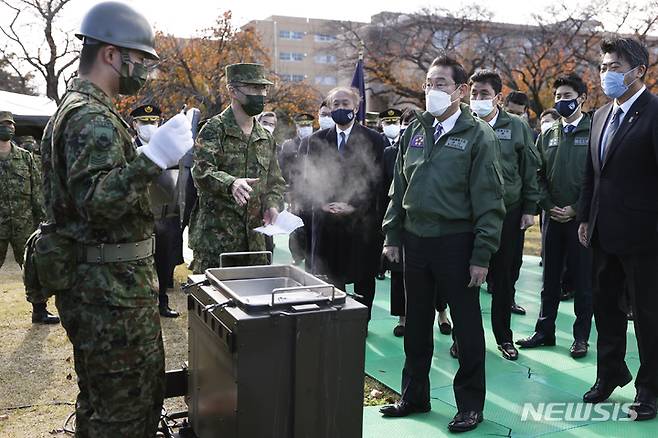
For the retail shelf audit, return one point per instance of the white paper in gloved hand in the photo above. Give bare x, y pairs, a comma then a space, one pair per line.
170, 142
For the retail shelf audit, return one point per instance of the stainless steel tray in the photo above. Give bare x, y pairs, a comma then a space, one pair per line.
258, 288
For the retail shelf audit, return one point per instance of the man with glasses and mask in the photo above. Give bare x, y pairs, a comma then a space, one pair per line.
446, 212
618, 218
236, 173
563, 149
519, 168
100, 227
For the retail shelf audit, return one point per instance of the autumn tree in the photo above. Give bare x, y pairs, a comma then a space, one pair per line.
14, 81
49, 53
191, 72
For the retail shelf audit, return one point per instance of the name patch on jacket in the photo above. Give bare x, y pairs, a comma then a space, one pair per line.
456, 143
504, 134
581, 141
417, 141
553, 142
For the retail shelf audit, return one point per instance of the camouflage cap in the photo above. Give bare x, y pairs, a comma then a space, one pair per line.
6, 116
247, 74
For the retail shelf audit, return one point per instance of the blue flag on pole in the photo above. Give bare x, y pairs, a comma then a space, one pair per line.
359, 82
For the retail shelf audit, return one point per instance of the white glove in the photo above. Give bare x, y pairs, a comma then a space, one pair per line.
170, 142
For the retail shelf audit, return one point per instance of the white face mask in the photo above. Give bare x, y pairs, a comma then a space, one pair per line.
482, 107
145, 132
304, 131
391, 131
268, 128
437, 102
546, 126
326, 122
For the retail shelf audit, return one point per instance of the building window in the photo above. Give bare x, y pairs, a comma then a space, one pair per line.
291, 56
325, 59
324, 38
291, 35
292, 78
326, 80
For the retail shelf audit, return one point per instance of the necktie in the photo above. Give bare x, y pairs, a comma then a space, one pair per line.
437, 132
568, 129
341, 144
610, 131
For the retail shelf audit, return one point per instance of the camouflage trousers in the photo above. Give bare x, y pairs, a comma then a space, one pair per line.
119, 361
17, 241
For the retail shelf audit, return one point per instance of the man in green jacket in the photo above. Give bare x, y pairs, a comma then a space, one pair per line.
446, 211
519, 167
236, 173
563, 149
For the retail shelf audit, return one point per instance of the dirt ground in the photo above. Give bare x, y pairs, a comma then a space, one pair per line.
37, 380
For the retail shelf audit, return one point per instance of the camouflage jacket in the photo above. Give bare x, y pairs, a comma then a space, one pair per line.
21, 198
222, 154
95, 189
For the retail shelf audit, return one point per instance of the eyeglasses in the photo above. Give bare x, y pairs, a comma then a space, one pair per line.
429, 85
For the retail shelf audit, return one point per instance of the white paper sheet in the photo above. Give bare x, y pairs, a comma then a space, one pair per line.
285, 223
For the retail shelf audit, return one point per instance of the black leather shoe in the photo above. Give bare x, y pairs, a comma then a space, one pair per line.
168, 313
509, 351
644, 406
536, 340
465, 421
566, 295
454, 350
401, 409
602, 389
579, 349
445, 328
398, 331
517, 310
44, 317
380, 276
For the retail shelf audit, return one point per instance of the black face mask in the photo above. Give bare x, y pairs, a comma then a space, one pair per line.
342, 116
566, 108
131, 83
6, 132
254, 105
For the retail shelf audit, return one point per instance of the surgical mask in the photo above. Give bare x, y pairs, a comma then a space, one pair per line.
131, 83
482, 107
342, 116
254, 105
145, 132
613, 84
6, 132
437, 102
546, 126
326, 122
392, 131
268, 128
304, 131
566, 108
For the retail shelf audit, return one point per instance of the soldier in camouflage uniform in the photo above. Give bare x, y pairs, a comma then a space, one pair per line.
236, 174
95, 187
28, 143
21, 203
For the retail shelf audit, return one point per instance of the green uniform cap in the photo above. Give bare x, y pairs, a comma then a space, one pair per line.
247, 74
6, 116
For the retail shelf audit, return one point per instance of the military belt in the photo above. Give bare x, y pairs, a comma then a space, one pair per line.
118, 252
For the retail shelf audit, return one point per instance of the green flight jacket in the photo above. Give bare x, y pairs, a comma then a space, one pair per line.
563, 163
518, 162
453, 186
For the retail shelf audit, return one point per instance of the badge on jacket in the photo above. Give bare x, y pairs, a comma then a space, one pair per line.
417, 141
457, 143
504, 134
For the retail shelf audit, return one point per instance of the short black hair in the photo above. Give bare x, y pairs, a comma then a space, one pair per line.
88, 56
518, 97
550, 112
487, 77
630, 49
458, 73
571, 80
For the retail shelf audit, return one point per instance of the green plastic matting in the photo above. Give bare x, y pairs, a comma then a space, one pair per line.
542, 375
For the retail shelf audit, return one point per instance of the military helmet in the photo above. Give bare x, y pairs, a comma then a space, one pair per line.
120, 25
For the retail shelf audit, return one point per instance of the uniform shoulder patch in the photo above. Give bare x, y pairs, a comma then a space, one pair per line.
504, 134
103, 132
417, 141
456, 143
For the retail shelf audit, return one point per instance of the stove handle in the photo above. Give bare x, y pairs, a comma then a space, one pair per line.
244, 253
294, 288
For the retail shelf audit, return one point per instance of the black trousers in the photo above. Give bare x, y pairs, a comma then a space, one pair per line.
501, 269
639, 273
168, 243
364, 287
562, 245
398, 300
441, 265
